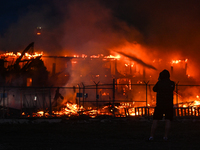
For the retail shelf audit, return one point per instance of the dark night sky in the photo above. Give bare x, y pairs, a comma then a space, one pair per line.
162, 27
11, 10
152, 19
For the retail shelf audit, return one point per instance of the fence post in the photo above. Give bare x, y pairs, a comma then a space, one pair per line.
21, 101
177, 98
146, 83
113, 97
4, 102
83, 93
97, 95
79, 91
50, 107
43, 101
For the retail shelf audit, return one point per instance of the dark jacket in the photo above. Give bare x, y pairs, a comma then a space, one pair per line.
164, 88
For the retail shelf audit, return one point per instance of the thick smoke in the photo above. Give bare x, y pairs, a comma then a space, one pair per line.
67, 28
167, 29
92, 29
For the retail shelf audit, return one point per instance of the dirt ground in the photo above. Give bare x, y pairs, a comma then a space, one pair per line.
98, 134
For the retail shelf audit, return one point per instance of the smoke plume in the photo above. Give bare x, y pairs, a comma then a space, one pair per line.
167, 29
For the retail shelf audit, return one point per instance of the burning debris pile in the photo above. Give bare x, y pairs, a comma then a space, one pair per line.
70, 109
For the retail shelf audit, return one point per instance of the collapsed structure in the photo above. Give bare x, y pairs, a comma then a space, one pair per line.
21, 68
113, 84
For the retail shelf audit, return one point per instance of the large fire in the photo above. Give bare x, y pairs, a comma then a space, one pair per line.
123, 109
127, 68
178, 61
26, 56
95, 56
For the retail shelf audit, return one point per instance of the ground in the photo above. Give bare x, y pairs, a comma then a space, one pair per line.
97, 134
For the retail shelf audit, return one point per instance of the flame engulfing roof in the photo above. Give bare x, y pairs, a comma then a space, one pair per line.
139, 61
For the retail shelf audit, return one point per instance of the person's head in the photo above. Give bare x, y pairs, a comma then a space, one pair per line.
164, 75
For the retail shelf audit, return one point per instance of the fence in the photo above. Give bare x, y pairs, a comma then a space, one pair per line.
113, 99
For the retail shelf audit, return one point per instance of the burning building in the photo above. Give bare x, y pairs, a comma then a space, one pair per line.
91, 84
22, 68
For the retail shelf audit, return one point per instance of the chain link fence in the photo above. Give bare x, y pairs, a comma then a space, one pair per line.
98, 99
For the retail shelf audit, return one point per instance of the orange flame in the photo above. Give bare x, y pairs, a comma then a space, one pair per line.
178, 61
26, 56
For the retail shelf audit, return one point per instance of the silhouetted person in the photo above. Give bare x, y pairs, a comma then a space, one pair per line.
164, 103
56, 97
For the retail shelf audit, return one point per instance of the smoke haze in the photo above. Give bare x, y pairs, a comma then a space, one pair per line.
167, 29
